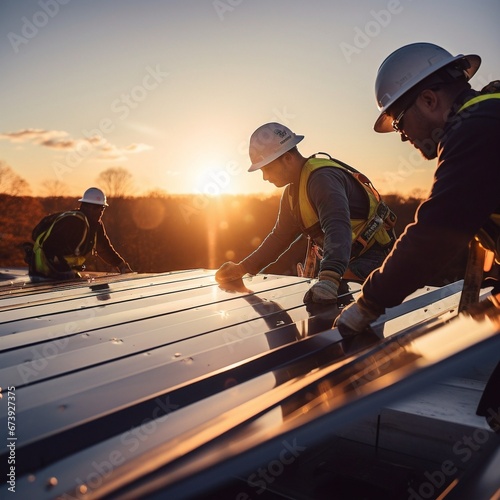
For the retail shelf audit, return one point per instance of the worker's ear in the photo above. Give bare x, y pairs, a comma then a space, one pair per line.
287, 157
429, 99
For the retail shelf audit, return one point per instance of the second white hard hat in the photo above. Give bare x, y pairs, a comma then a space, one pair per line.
408, 66
94, 196
269, 142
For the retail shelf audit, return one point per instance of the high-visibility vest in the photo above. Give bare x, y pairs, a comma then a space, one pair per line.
376, 227
75, 259
489, 234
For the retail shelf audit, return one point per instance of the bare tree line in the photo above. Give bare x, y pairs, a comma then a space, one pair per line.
116, 182
11, 183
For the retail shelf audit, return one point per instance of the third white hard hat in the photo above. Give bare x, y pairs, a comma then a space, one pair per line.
408, 66
94, 196
269, 142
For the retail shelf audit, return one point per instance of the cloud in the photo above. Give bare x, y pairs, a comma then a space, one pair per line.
58, 144
36, 135
137, 148
62, 141
109, 151
106, 147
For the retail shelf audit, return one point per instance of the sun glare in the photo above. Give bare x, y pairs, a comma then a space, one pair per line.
214, 180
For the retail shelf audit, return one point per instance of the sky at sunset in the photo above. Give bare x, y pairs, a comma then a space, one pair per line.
172, 90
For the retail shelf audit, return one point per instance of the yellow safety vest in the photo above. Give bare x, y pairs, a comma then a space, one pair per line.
376, 227
489, 234
76, 259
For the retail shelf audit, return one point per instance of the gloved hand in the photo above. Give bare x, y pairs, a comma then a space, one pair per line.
124, 268
356, 317
325, 291
229, 271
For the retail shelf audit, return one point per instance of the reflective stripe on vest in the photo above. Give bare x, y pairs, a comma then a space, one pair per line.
74, 260
308, 217
479, 98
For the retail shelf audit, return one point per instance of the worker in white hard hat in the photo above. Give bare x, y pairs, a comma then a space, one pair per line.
329, 201
423, 94
64, 240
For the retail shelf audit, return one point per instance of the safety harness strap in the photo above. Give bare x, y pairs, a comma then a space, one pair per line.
382, 218
378, 227
385, 218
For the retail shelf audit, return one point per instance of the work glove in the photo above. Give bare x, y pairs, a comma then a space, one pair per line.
325, 290
124, 268
229, 271
356, 317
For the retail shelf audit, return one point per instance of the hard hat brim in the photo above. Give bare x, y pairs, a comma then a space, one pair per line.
289, 145
384, 121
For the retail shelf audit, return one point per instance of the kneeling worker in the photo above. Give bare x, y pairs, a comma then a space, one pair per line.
325, 199
64, 240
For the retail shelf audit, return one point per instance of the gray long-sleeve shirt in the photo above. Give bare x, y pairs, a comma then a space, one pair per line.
337, 197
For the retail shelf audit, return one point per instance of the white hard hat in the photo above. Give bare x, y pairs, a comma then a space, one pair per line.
269, 142
408, 66
95, 196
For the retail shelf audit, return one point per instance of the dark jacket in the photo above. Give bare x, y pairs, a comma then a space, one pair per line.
465, 192
66, 235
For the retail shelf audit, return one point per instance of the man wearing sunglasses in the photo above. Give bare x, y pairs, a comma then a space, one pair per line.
423, 93
64, 240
